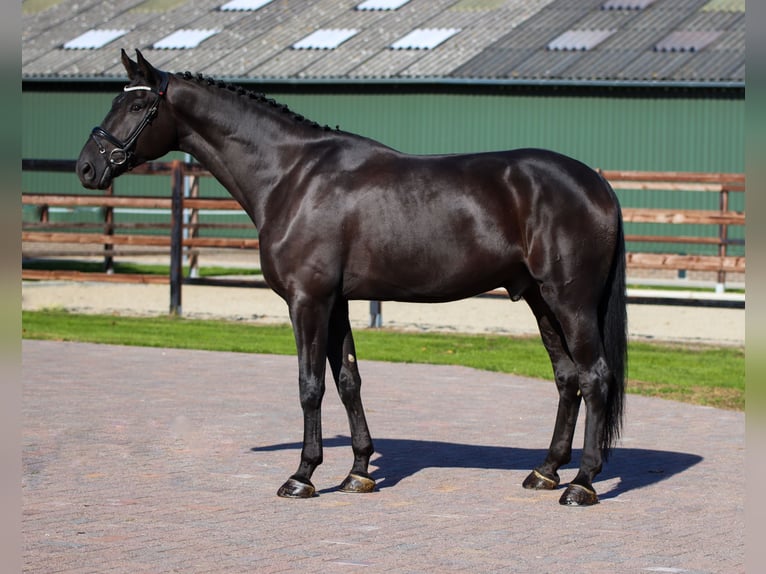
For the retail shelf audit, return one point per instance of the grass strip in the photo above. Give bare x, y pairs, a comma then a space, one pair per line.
132, 268
713, 376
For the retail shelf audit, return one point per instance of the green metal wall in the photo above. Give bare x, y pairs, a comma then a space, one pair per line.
674, 134
612, 133
629, 133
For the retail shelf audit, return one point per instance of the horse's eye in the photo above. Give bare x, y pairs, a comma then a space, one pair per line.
136, 107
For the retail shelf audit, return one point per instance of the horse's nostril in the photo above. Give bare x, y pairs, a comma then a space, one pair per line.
86, 171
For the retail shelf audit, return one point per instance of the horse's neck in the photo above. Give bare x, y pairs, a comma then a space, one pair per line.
233, 139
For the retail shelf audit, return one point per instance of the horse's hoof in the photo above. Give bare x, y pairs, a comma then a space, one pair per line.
357, 483
538, 481
294, 488
576, 495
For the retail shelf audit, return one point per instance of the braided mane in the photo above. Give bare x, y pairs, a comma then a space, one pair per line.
257, 96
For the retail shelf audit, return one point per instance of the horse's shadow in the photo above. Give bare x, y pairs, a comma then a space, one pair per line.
397, 459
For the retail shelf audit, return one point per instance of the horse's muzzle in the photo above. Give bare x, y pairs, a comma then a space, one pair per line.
89, 176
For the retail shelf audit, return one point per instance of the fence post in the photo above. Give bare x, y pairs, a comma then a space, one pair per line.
109, 230
376, 314
176, 238
723, 234
192, 231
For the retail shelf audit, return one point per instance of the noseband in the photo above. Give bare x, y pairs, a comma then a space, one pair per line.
123, 150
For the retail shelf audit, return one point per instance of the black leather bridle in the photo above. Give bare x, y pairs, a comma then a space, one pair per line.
122, 152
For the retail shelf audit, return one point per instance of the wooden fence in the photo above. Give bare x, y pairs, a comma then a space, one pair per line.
180, 237
721, 183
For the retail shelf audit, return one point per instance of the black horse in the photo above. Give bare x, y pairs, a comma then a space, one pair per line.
543, 226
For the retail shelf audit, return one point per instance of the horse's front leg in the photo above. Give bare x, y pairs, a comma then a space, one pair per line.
310, 323
343, 362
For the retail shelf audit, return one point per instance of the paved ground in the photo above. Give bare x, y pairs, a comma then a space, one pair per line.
156, 460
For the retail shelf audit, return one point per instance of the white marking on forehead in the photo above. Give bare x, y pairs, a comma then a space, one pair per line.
351, 358
136, 88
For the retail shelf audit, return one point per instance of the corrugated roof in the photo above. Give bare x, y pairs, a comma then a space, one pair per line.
626, 4
498, 40
628, 55
725, 6
478, 5
157, 5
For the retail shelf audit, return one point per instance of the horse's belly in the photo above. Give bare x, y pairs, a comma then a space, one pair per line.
452, 250
421, 282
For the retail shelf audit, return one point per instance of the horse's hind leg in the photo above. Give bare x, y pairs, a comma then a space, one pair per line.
594, 378
342, 357
545, 476
581, 340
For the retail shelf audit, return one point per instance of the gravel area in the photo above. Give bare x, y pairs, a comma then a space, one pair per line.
692, 325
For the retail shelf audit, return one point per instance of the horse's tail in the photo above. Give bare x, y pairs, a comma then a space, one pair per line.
614, 325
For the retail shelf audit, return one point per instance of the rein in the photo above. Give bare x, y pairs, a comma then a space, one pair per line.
123, 150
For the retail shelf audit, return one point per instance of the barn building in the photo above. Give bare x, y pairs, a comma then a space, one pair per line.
619, 84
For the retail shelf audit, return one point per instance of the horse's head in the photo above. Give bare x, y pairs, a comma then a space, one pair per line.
138, 128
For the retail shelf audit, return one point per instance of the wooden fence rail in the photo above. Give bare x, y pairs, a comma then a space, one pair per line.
181, 236
721, 183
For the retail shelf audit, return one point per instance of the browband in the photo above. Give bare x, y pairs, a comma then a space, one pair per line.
164, 79
135, 88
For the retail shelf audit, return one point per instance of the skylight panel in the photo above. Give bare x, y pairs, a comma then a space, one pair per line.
579, 40
94, 39
184, 39
687, 40
424, 38
626, 4
325, 39
244, 5
381, 4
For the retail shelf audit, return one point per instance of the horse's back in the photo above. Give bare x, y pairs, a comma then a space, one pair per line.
432, 228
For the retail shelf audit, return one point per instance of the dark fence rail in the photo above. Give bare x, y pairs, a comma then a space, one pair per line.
181, 237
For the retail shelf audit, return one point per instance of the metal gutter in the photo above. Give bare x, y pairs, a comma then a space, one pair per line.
421, 82
493, 82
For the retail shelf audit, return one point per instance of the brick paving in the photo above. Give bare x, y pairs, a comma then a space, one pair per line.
144, 460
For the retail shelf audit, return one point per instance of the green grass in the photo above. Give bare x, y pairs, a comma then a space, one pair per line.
132, 268
700, 375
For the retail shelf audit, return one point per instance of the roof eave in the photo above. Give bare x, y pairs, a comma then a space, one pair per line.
425, 82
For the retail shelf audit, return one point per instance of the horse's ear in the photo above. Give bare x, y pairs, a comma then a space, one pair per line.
146, 69
130, 66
